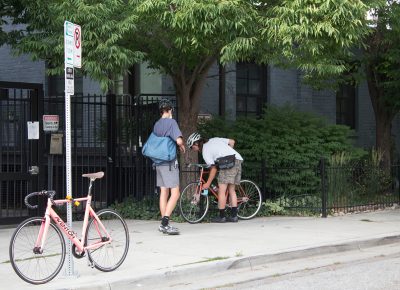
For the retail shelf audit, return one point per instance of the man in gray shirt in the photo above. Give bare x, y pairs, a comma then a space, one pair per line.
168, 172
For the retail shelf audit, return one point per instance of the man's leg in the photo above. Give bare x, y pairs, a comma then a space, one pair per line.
221, 203
221, 195
233, 201
232, 195
164, 193
170, 205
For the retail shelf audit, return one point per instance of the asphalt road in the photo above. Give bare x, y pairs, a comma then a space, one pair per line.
378, 271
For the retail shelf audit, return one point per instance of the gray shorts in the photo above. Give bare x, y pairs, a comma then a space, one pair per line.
168, 176
232, 175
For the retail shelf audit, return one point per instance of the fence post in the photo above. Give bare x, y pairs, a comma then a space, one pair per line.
111, 145
263, 179
324, 197
398, 178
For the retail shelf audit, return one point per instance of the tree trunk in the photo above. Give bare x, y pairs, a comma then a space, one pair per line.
189, 84
383, 117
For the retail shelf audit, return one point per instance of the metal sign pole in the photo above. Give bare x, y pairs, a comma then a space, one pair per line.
69, 90
69, 270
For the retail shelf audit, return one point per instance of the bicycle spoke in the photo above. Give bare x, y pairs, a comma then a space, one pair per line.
192, 205
249, 199
36, 268
108, 257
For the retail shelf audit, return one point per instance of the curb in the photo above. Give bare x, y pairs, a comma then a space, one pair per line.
310, 252
200, 269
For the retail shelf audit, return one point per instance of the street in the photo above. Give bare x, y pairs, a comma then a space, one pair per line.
381, 270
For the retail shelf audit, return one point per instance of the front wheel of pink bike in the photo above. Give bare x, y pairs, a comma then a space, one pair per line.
36, 265
108, 256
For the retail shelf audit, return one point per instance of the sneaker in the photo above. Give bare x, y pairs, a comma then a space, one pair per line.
168, 229
218, 219
233, 219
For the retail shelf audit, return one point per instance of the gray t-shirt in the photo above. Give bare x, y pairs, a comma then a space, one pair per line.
166, 127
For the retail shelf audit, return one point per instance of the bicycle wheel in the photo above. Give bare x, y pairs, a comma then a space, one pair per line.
192, 205
249, 199
110, 256
31, 265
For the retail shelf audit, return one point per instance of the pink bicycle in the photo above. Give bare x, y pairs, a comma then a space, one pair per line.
37, 248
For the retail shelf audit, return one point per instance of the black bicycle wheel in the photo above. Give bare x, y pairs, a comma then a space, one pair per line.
249, 199
40, 265
192, 205
110, 256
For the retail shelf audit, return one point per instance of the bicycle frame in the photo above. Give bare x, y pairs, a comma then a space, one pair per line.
202, 181
71, 235
240, 199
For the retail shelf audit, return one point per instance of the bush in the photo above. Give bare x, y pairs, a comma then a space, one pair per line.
144, 209
292, 144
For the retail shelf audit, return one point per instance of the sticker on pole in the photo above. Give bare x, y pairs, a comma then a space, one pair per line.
69, 80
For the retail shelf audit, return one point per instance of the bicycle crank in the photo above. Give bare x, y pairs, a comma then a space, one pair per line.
76, 254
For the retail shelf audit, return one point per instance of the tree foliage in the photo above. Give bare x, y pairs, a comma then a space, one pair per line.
184, 38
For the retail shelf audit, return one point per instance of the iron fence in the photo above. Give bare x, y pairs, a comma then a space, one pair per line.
326, 189
107, 135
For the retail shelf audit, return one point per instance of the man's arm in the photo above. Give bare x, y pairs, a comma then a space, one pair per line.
211, 175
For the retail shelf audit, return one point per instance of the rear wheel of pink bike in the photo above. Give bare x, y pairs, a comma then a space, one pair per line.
109, 256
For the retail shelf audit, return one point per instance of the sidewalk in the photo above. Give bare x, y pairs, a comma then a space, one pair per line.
219, 247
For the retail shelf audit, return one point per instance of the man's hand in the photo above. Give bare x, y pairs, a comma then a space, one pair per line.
182, 148
181, 144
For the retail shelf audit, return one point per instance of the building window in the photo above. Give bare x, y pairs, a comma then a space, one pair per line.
346, 106
251, 80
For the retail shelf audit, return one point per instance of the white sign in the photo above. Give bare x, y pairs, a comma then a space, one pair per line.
77, 46
69, 80
50, 123
69, 43
33, 130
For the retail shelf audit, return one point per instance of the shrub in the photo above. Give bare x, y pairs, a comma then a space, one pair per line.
291, 142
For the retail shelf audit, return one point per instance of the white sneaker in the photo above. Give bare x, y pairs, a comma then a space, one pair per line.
168, 229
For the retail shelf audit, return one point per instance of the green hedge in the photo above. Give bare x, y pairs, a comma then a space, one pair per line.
291, 143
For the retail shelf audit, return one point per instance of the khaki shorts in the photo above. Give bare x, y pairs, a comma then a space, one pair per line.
232, 175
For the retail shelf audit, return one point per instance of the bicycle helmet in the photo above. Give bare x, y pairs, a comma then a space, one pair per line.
193, 138
164, 105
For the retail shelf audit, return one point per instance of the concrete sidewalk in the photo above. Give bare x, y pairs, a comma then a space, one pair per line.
219, 247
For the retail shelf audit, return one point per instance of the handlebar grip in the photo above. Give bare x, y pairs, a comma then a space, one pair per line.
49, 193
28, 205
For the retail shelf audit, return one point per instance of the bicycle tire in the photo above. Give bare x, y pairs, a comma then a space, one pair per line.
115, 252
192, 205
249, 199
23, 259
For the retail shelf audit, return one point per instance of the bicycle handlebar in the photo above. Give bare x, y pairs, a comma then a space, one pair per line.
49, 193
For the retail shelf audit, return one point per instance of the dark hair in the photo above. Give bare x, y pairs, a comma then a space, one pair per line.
164, 105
